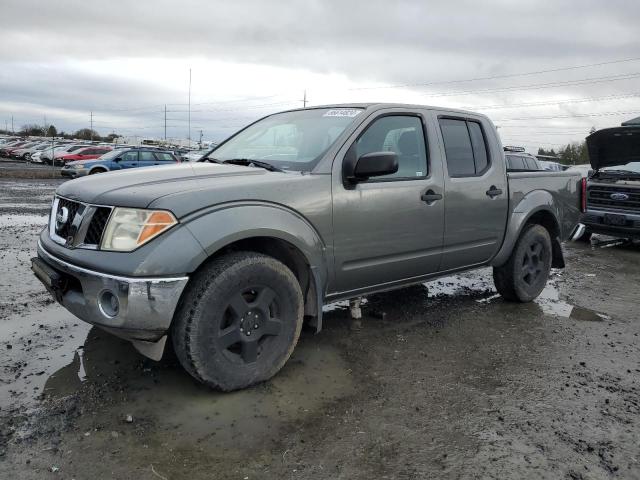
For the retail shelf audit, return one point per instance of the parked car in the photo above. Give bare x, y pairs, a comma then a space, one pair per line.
119, 159
194, 155
585, 170
6, 150
520, 161
49, 153
231, 254
87, 153
612, 192
550, 165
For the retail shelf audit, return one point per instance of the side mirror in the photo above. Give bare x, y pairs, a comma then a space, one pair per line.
374, 164
117, 159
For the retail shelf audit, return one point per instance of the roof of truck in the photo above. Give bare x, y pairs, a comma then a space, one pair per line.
382, 105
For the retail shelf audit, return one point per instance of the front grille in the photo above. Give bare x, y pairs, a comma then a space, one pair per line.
78, 225
97, 225
66, 210
600, 196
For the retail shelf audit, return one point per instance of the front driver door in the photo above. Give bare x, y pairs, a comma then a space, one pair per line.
385, 231
129, 159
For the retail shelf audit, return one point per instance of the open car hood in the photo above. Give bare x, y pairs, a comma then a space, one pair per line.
610, 147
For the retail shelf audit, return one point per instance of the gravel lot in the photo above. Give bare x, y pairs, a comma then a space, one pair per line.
443, 381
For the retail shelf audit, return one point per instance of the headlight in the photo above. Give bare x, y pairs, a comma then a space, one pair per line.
129, 228
79, 166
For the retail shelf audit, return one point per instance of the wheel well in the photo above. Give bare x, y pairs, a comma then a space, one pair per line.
546, 219
288, 254
98, 169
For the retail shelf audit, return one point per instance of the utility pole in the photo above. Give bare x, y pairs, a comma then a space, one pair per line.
12, 130
165, 123
189, 120
200, 142
304, 99
91, 126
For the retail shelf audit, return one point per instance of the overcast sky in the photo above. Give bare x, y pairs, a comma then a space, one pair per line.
124, 60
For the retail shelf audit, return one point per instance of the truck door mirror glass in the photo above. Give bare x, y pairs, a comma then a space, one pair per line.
374, 164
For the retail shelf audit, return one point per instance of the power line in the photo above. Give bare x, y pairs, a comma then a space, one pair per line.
494, 77
559, 102
576, 115
536, 86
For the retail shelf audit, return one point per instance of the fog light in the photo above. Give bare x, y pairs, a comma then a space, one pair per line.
108, 303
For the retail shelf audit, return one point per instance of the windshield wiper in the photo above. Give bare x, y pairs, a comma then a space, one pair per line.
249, 161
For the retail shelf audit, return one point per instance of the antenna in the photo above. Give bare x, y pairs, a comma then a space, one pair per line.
189, 120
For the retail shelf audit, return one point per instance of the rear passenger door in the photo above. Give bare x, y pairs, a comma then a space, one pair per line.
476, 195
146, 158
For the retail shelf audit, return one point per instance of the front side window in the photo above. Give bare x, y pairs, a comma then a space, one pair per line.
130, 156
465, 147
290, 140
401, 134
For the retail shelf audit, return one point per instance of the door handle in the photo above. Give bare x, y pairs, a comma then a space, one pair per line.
430, 196
493, 191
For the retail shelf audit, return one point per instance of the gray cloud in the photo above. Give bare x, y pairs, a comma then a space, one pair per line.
367, 40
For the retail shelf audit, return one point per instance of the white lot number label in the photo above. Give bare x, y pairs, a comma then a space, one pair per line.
342, 112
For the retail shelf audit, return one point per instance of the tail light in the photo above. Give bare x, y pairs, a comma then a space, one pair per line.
583, 196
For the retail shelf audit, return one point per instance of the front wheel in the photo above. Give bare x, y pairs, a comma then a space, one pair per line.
239, 320
525, 274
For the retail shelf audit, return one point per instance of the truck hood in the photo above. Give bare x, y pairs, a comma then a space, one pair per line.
139, 187
611, 147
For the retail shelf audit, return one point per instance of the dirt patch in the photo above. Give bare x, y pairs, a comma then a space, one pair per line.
444, 380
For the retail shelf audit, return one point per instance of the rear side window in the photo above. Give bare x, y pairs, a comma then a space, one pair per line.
531, 164
164, 157
147, 157
515, 162
465, 147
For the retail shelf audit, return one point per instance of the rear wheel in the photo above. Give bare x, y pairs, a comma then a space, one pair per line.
97, 170
525, 274
239, 321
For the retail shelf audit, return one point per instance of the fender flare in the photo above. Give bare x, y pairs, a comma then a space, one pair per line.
98, 167
222, 225
530, 205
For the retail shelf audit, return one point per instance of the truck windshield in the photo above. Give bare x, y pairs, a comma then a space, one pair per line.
289, 140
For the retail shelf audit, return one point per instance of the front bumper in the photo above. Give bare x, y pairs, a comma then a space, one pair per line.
72, 172
137, 309
613, 223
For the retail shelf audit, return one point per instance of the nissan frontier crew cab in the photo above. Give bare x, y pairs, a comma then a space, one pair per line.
227, 257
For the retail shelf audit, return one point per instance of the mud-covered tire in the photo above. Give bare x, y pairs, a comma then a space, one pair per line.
526, 272
238, 321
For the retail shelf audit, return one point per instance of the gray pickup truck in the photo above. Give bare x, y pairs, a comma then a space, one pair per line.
229, 256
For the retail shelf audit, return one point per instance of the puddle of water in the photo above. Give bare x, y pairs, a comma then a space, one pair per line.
37, 352
164, 395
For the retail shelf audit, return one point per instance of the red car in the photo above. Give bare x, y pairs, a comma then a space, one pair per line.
87, 153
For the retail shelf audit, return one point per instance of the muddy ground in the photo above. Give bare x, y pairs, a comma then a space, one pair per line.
443, 381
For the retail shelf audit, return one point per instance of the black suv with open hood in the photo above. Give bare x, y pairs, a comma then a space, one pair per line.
613, 189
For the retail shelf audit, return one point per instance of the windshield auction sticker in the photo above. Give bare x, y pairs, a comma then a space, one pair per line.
342, 112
